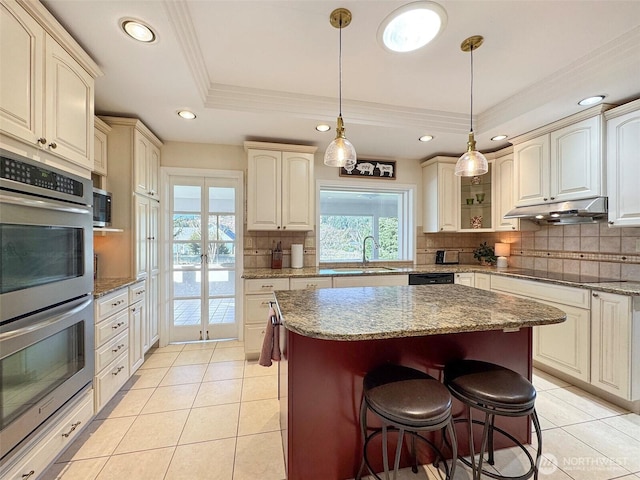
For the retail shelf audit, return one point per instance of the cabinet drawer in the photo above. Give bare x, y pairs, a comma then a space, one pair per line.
265, 285
137, 292
253, 338
111, 327
371, 281
51, 444
111, 350
109, 381
111, 304
310, 282
575, 297
257, 307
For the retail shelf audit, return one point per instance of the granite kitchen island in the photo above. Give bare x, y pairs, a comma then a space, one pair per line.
332, 337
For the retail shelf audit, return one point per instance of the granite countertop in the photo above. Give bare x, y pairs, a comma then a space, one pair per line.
620, 288
370, 313
104, 286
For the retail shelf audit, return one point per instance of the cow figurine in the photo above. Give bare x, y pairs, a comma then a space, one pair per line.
365, 167
385, 169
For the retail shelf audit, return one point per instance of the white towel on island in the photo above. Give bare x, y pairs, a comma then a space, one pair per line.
271, 343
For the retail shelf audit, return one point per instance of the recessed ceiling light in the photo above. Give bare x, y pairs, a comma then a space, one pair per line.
138, 30
585, 102
497, 138
186, 114
426, 138
412, 26
323, 127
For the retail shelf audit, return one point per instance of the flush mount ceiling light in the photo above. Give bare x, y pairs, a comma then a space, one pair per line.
412, 26
340, 152
323, 127
585, 102
497, 138
472, 162
186, 114
138, 30
426, 138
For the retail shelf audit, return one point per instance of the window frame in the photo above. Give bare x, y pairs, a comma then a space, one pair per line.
407, 224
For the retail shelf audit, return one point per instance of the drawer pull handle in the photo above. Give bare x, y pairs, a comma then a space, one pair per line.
118, 325
265, 303
312, 285
118, 370
119, 302
266, 286
31, 473
73, 427
117, 349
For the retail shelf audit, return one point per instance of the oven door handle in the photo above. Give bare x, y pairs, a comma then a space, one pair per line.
49, 321
49, 204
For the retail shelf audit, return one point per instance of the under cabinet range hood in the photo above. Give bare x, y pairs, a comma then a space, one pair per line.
587, 210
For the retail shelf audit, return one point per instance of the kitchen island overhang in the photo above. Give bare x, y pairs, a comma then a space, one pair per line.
332, 337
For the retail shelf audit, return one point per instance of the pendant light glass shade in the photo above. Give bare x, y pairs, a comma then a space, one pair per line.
472, 163
340, 152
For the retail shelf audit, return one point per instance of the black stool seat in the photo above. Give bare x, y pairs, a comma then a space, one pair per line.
496, 391
407, 396
490, 384
408, 401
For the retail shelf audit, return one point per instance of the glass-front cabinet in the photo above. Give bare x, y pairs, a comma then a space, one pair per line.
476, 202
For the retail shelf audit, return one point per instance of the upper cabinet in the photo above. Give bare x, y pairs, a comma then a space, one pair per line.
623, 164
280, 192
100, 132
440, 195
146, 166
504, 175
46, 85
562, 161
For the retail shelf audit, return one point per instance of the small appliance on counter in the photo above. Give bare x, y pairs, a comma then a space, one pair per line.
447, 257
276, 256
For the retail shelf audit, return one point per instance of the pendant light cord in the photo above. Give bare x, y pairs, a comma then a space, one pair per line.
340, 67
471, 116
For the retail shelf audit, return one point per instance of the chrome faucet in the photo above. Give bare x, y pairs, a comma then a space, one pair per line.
364, 248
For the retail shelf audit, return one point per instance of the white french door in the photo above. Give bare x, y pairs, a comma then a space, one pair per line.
205, 238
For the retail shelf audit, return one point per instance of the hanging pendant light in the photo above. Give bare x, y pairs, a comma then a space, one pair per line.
472, 162
340, 153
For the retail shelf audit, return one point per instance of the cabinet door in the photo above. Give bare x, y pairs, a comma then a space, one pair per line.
99, 152
565, 346
467, 279
152, 237
21, 75
623, 169
371, 281
504, 194
153, 171
153, 299
264, 200
298, 196
611, 343
136, 336
141, 164
576, 161
482, 281
447, 197
69, 107
141, 205
531, 168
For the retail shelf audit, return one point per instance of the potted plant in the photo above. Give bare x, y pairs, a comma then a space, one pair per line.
485, 254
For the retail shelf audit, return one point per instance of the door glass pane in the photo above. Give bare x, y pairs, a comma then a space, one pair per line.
186, 198
186, 312
222, 310
222, 199
222, 255
221, 282
187, 283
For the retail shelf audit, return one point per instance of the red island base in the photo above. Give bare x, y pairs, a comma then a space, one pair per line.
320, 389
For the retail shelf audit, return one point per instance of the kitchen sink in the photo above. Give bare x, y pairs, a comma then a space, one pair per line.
359, 269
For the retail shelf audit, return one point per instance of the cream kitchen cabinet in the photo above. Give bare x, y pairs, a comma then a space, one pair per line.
482, 281
370, 281
302, 283
146, 166
623, 164
46, 85
440, 195
138, 326
280, 188
562, 161
565, 346
100, 133
112, 334
257, 295
615, 340
504, 193
467, 279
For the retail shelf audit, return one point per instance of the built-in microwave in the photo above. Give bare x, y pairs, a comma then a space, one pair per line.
101, 208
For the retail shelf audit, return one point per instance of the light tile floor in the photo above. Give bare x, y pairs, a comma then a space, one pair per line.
200, 411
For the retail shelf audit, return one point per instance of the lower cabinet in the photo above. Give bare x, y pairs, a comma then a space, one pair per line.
615, 343
371, 281
138, 321
467, 279
482, 281
257, 295
43, 450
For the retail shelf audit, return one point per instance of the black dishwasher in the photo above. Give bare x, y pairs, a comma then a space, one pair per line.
430, 278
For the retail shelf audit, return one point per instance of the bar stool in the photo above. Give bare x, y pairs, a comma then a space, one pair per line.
494, 390
407, 401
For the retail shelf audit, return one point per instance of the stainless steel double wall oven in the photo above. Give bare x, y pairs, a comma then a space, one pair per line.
46, 302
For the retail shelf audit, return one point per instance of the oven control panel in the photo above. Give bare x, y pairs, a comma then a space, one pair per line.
36, 176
